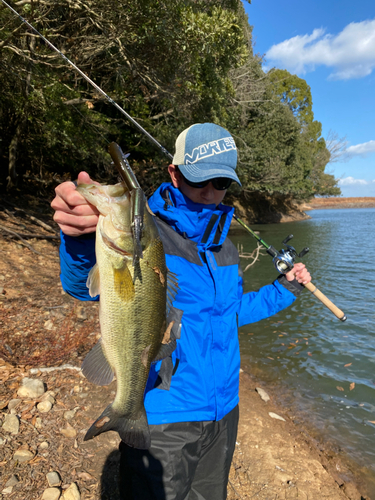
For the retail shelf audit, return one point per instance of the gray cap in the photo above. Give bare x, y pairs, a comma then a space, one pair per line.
205, 151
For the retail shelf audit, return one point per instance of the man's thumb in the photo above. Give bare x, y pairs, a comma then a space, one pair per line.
84, 178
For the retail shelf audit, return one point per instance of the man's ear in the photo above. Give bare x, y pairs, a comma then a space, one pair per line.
176, 176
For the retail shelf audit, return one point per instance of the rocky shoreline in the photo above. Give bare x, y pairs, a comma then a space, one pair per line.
46, 412
333, 203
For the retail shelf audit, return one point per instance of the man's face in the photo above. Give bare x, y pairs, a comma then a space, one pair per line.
207, 195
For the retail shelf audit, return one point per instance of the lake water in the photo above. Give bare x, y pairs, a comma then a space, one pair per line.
328, 366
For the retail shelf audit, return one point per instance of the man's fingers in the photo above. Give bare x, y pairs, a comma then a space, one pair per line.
303, 276
74, 220
73, 213
59, 205
68, 193
300, 273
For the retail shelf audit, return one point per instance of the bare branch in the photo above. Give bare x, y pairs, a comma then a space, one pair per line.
254, 255
13, 233
337, 147
163, 114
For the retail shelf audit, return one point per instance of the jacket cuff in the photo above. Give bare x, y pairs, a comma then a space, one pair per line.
83, 237
293, 286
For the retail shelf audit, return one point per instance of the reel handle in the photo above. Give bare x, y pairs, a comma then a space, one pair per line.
325, 300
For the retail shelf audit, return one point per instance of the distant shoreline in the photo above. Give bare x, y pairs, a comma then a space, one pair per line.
321, 203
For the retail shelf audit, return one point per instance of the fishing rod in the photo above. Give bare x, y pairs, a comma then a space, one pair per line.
283, 260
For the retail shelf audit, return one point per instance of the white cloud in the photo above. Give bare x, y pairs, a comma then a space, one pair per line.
364, 149
350, 181
350, 54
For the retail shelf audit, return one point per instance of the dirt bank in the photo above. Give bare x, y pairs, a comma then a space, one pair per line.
261, 208
319, 203
278, 459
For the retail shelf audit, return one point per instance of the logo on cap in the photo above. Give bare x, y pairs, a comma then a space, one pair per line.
210, 149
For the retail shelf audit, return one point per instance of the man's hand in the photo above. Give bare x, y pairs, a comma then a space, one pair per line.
300, 273
73, 213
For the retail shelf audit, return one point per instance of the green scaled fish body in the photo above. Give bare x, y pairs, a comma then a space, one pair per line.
132, 312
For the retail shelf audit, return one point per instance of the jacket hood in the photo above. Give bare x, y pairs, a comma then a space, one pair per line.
207, 225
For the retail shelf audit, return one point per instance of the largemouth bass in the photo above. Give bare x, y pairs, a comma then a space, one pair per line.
133, 303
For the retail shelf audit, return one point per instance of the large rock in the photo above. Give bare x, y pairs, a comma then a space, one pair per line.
262, 393
71, 493
31, 388
53, 479
11, 424
44, 406
51, 494
23, 456
276, 416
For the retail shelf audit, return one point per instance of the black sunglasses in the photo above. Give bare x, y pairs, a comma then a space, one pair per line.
219, 183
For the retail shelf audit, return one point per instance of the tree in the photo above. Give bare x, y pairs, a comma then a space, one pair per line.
337, 147
294, 92
131, 50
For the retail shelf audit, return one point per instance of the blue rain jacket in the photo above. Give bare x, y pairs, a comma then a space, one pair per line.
200, 381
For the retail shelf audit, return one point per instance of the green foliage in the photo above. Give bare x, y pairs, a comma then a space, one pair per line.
281, 148
293, 92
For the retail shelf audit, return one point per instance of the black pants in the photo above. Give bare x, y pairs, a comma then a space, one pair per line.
186, 461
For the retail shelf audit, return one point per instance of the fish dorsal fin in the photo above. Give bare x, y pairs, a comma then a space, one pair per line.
172, 289
96, 368
93, 281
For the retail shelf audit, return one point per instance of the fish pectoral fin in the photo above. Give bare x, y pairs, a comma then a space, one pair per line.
96, 368
165, 350
160, 274
93, 281
123, 282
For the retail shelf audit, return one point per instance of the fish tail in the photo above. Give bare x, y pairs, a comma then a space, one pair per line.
134, 433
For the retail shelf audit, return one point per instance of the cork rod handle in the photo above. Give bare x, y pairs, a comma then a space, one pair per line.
331, 306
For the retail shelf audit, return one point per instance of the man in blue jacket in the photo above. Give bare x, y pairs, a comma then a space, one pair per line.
191, 397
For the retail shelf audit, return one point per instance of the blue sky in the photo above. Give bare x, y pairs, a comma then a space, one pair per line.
330, 44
